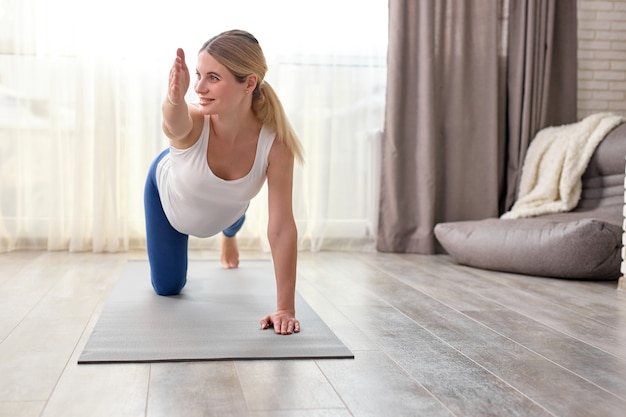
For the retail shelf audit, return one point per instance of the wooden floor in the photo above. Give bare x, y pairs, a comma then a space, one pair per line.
430, 338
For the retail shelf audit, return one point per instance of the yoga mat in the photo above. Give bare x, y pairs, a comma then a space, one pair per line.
216, 317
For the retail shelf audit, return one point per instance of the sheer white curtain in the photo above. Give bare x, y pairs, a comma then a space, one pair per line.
81, 85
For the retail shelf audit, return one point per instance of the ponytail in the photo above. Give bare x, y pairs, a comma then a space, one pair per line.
269, 110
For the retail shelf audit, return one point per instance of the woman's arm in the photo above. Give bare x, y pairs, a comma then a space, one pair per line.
177, 120
283, 238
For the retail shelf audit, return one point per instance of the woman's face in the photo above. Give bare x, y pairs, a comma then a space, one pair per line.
217, 88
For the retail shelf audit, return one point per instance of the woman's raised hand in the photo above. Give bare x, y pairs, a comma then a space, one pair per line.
179, 79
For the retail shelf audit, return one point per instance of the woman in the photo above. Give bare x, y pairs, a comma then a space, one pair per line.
222, 149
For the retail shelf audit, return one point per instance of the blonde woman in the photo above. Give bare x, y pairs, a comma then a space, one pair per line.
222, 149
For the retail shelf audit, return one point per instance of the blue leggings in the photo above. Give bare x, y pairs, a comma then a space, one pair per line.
167, 247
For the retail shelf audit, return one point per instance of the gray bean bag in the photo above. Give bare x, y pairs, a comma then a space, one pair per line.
584, 243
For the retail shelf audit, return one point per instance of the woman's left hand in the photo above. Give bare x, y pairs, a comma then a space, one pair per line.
283, 322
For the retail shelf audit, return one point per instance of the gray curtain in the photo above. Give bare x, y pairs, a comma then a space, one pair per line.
447, 146
441, 154
542, 72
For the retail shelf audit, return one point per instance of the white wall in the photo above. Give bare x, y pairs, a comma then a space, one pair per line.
601, 56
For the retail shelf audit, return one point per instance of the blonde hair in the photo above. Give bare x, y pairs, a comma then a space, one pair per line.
241, 53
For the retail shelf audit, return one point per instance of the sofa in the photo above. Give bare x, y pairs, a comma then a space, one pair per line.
582, 243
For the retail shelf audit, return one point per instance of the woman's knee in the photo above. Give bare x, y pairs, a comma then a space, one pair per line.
168, 286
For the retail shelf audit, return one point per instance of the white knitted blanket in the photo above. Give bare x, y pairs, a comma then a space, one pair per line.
557, 157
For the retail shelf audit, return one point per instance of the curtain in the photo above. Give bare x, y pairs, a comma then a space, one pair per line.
442, 151
469, 84
542, 66
81, 86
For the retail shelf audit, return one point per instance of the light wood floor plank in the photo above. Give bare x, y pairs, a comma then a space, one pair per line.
100, 391
195, 390
462, 385
286, 385
592, 364
21, 408
374, 385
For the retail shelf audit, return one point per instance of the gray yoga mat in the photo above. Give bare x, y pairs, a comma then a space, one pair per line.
216, 317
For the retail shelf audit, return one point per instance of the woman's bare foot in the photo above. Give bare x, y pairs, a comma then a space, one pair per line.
230, 252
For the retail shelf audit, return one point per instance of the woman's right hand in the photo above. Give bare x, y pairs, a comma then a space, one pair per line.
179, 79
177, 120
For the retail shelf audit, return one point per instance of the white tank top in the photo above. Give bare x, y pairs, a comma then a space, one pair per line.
196, 201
